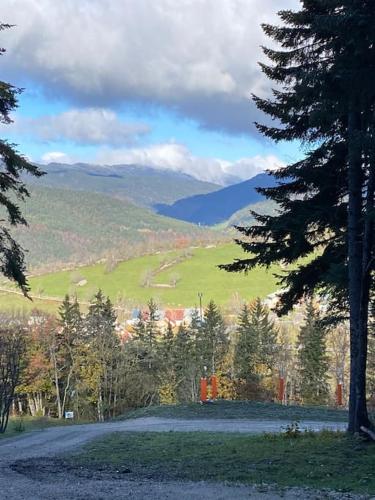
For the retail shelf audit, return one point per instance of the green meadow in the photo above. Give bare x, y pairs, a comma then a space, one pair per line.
195, 273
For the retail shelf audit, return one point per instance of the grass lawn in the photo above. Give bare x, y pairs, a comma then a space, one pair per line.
199, 273
243, 409
323, 460
19, 425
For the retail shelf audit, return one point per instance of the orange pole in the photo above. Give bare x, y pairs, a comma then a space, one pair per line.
339, 395
203, 389
213, 387
281, 389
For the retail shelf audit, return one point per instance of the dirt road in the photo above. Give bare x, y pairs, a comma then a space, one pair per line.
31, 485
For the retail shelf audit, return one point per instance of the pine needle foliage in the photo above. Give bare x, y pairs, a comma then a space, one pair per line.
323, 72
313, 359
13, 189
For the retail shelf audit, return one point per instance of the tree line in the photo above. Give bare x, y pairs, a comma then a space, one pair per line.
82, 363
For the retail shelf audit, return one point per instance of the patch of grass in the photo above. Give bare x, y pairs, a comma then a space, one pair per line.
242, 410
17, 302
196, 274
317, 460
19, 425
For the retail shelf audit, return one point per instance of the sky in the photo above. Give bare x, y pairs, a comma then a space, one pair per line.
160, 83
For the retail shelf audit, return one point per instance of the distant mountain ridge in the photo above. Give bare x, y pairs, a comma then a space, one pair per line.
143, 186
218, 206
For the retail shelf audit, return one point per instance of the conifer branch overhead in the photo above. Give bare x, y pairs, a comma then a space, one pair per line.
13, 167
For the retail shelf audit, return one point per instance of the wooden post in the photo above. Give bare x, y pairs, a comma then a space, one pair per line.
203, 389
213, 387
339, 400
281, 389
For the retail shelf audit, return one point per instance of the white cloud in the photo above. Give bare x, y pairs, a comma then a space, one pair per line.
56, 157
82, 126
178, 158
198, 57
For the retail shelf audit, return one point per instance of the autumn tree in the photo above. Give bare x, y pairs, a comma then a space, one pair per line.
12, 348
37, 383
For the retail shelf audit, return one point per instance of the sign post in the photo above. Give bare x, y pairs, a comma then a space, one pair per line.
203, 389
281, 389
339, 398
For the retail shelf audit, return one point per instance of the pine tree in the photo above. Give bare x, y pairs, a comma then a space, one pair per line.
313, 360
257, 342
12, 187
165, 354
267, 335
65, 352
212, 338
148, 335
246, 356
100, 326
325, 98
167, 344
186, 365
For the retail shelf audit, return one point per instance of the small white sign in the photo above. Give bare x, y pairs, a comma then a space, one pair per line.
69, 414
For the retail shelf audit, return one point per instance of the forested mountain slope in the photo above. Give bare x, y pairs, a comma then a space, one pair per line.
77, 227
140, 185
244, 217
218, 206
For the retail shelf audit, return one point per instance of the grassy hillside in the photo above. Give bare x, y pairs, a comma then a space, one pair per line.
71, 226
195, 273
139, 185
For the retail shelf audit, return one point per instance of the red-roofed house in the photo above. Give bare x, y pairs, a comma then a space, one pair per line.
175, 316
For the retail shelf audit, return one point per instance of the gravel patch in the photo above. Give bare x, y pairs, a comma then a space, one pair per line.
30, 468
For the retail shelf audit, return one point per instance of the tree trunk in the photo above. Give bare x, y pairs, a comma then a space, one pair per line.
368, 240
57, 388
357, 287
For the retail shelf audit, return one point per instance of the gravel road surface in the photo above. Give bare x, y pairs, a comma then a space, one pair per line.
49, 443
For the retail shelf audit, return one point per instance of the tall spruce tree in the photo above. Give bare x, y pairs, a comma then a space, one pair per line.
12, 188
65, 352
100, 325
148, 336
212, 338
313, 359
257, 342
247, 348
324, 97
186, 369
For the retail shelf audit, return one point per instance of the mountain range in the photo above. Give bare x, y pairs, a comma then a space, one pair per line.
142, 186
217, 206
80, 213
76, 227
